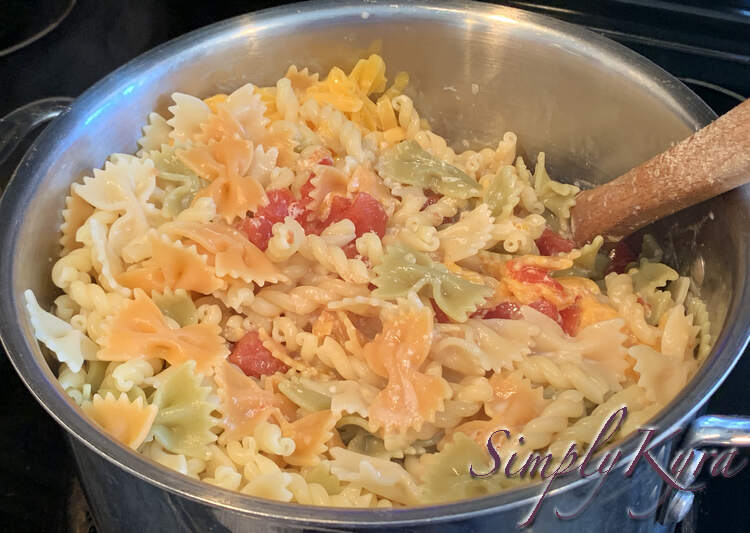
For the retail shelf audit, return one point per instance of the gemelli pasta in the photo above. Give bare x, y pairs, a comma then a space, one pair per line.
300, 292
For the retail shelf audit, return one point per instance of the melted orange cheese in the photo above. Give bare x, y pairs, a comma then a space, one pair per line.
213, 101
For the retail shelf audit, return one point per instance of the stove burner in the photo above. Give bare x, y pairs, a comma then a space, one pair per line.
24, 21
720, 97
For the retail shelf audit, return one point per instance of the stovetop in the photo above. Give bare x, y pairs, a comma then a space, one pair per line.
705, 44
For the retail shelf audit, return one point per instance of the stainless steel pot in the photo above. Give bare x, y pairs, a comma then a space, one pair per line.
595, 107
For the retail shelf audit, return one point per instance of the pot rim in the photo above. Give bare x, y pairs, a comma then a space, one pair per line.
27, 359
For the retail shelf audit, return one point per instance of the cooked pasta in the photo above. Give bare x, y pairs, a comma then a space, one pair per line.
301, 293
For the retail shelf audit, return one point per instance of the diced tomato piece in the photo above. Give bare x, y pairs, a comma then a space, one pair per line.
619, 257
570, 318
279, 203
506, 310
327, 161
257, 229
546, 307
440, 315
253, 358
310, 222
364, 211
551, 243
432, 198
339, 210
534, 274
367, 215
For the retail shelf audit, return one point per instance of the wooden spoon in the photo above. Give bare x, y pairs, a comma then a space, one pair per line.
713, 160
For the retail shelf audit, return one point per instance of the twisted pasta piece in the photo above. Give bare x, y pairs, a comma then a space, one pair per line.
133, 373
435, 145
380, 476
563, 375
586, 428
518, 234
417, 235
412, 200
370, 247
82, 384
333, 259
269, 440
416, 226
238, 295
272, 301
225, 477
408, 118
74, 266
178, 462
332, 125
339, 233
620, 292
330, 352
287, 238
539, 432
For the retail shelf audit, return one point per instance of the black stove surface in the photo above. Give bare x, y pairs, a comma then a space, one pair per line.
706, 44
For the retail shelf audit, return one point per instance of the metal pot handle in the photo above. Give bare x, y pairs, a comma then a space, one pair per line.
707, 430
17, 124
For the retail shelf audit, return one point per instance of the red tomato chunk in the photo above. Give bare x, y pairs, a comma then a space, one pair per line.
257, 229
533, 274
570, 318
279, 203
364, 211
619, 257
546, 307
551, 243
506, 310
253, 358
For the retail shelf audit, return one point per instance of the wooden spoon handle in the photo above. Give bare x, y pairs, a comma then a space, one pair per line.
713, 160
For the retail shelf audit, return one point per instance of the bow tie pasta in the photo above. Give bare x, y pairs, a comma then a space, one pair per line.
302, 293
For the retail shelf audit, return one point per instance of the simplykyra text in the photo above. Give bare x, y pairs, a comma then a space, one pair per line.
684, 468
